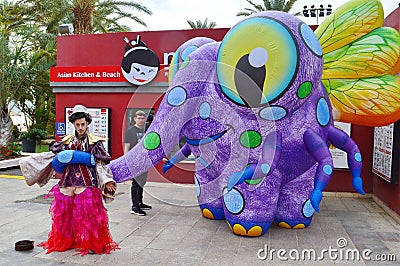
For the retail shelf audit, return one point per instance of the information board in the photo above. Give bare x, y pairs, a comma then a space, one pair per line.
340, 157
386, 152
100, 125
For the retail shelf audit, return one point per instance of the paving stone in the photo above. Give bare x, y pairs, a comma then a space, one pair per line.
372, 206
325, 213
170, 237
150, 256
394, 248
314, 239
334, 204
391, 221
378, 224
353, 204
185, 259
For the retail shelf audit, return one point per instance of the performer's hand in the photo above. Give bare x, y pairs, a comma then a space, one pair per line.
111, 187
57, 175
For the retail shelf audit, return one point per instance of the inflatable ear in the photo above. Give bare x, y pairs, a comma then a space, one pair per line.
64, 158
183, 52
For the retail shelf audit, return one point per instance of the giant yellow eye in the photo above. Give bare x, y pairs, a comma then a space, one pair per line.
257, 61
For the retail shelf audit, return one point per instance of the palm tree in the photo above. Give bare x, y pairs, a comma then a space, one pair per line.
48, 14
108, 13
32, 92
11, 19
280, 5
6, 125
87, 16
27, 51
201, 25
26, 54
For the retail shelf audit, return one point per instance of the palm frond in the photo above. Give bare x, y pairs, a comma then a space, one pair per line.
280, 5
201, 25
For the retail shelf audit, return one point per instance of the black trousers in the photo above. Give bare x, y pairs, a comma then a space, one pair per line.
137, 189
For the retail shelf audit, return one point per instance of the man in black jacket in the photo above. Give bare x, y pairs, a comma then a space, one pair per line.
132, 137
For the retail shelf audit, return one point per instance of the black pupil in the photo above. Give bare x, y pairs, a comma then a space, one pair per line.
249, 81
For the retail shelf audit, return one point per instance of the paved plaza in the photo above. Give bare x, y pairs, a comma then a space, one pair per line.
349, 231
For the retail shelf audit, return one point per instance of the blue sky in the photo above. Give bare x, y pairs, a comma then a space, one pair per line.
173, 14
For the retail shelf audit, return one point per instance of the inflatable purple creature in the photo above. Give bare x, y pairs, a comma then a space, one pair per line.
258, 120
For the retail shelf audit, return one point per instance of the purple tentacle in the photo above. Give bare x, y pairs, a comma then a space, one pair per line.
271, 153
182, 154
341, 140
318, 149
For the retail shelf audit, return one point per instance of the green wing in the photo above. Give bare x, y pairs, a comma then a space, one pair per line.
361, 60
374, 54
348, 23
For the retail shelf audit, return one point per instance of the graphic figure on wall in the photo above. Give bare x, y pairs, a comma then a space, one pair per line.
140, 64
257, 111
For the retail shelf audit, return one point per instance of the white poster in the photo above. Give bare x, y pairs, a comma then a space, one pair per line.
383, 151
340, 157
99, 125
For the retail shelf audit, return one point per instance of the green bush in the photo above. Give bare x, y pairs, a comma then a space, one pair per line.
35, 133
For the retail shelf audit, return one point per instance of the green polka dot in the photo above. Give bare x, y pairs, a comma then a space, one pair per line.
151, 141
253, 181
184, 63
304, 90
250, 139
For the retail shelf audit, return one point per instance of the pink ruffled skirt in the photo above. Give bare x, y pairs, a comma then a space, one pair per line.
79, 222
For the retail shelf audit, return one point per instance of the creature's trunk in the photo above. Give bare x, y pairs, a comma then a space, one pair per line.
176, 109
160, 139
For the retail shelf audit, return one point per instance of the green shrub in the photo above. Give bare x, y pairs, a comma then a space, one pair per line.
35, 133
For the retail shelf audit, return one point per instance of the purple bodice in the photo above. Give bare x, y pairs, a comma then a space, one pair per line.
80, 175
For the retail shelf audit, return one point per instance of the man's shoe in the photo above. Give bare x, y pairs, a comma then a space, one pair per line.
138, 211
145, 206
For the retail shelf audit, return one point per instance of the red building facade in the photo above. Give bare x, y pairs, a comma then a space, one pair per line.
88, 72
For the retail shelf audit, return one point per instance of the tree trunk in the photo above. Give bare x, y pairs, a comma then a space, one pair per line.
6, 127
83, 21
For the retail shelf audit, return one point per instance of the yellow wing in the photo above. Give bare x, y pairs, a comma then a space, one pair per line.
374, 54
369, 102
361, 59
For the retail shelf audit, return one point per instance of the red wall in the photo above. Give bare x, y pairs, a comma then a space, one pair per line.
389, 193
393, 19
108, 49
118, 103
341, 179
